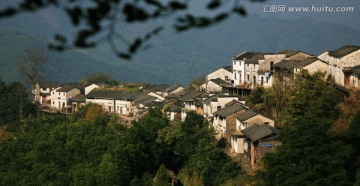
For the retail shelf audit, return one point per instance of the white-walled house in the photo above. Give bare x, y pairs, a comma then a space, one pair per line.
217, 102
193, 101
225, 118
239, 67
243, 121
355, 77
93, 86
61, 96
78, 102
312, 65
251, 69
340, 62
224, 73
119, 102
173, 89
42, 92
215, 86
265, 70
294, 54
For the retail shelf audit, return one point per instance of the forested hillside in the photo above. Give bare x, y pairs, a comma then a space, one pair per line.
85, 150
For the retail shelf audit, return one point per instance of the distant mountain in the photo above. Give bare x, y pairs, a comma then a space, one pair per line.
64, 67
181, 57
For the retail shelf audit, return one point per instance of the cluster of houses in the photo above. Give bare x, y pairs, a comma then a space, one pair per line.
218, 96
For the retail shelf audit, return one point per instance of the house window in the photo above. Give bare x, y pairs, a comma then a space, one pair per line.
266, 123
271, 66
267, 79
248, 77
218, 107
245, 125
254, 65
59, 93
226, 78
234, 62
235, 75
246, 146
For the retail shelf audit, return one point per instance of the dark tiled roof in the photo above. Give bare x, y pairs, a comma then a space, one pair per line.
144, 98
355, 69
246, 115
228, 110
190, 96
172, 88
155, 87
210, 99
68, 87
256, 132
343, 51
49, 84
286, 64
79, 98
308, 61
107, 94
219, 81
254, 59
288, 53
199, 81
244, 55
228, 68
234, 132
174, 108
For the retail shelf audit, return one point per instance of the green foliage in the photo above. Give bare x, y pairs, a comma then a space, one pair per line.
14, 104
256, 96
352, 137
309, 155
161, 178
94, 113
61, 150
310, 96
212, 164
99, 78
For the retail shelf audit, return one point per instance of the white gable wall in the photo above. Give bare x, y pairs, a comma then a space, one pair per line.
220, 73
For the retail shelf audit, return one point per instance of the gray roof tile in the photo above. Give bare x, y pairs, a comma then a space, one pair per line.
343, 51
228, 110
244, 55
246, 115
256, 132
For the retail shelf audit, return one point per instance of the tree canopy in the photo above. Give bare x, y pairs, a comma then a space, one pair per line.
60, 150
310, 153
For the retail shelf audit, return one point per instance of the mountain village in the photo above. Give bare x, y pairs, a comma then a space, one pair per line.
218, 96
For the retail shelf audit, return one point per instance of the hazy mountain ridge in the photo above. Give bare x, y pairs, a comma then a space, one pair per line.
181, 57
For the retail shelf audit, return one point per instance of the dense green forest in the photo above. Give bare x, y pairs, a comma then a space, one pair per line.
94, 149
320, 130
